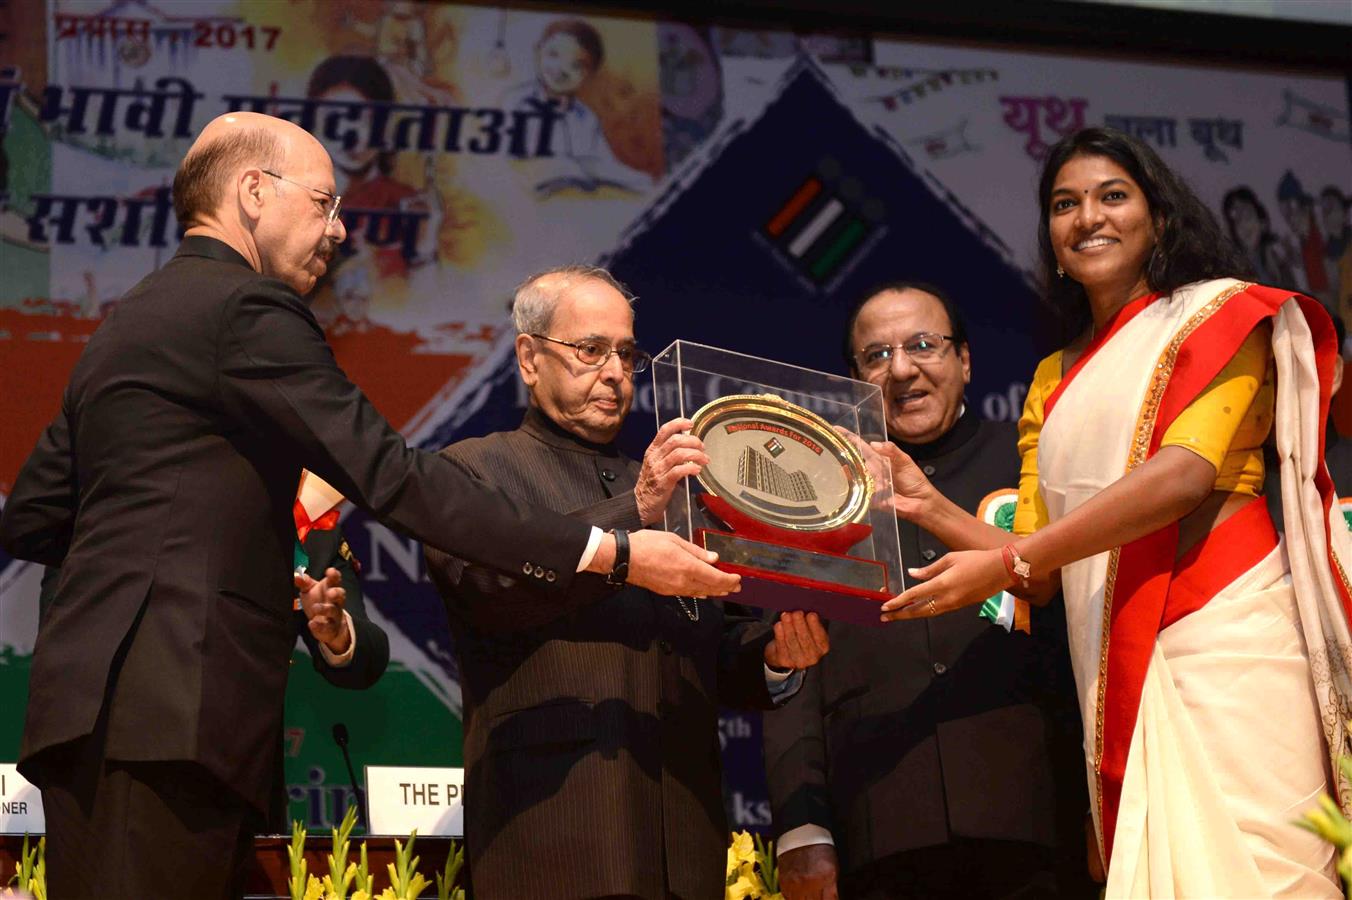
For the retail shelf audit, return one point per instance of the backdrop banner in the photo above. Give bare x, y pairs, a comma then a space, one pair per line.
748, 186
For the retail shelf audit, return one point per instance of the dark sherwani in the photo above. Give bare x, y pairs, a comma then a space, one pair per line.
914, 734
591, 715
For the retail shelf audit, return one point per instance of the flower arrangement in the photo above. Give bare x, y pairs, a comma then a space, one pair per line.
406, 882
30, 876
751, 871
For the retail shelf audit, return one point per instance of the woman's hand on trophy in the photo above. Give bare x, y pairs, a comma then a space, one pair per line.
800, 641
674, 454
960, 578
911, 490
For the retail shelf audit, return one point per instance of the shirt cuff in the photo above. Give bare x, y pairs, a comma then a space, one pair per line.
783, 685
589, 552
802, 836
337, 661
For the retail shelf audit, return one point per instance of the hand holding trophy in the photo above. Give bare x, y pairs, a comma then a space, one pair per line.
794, 499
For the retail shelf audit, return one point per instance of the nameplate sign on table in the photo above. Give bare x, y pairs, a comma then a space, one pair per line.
20, 804
402, 798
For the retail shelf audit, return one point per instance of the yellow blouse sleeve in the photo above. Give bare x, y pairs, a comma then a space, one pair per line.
1210, 425
1031, 513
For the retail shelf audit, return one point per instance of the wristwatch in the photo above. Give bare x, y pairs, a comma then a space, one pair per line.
1016, 565
619, 574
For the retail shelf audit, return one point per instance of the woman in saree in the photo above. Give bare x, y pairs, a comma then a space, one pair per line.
1210, 653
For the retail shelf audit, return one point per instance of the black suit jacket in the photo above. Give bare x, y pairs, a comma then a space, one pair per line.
591, 716
908, 734
166, 483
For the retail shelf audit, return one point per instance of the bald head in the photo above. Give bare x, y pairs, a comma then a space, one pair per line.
227, 145
265, 187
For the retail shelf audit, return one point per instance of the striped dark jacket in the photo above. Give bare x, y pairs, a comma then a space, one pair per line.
591, 715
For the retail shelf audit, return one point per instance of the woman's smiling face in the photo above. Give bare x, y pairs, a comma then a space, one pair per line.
1100, 223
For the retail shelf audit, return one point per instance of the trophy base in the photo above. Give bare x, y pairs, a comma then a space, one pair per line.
775, 576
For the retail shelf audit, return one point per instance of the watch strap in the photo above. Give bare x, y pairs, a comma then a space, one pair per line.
619, 573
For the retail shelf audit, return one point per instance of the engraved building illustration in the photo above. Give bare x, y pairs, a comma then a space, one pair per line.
759, 473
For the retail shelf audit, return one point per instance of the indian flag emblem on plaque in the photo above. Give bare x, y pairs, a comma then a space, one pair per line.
1345, 504
1004, 609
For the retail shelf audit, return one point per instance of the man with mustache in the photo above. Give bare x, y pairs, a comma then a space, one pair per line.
918, 761
591, 717
164, 488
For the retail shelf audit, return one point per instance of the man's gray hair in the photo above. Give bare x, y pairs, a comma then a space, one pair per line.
534, 300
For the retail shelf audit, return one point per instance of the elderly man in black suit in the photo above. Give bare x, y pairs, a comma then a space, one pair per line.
591, 717
919, 760
166, 484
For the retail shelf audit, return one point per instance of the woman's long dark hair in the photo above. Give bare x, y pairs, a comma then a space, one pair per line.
1191, 246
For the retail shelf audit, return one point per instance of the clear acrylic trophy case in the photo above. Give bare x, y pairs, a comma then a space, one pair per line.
793, 499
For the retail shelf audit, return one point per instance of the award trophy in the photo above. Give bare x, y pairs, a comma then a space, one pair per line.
790, 500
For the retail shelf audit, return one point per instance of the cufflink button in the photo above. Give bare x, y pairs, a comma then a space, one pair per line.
928, 470
940, 668
607, 475
550, 576
527, 568
539, 571
928, 554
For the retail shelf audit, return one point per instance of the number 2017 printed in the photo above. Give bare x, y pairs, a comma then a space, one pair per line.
226, 36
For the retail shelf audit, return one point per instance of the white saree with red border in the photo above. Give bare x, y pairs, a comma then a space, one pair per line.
1215, 687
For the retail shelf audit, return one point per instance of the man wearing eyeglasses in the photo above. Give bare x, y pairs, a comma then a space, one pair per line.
916, 762
165, 488
591, 717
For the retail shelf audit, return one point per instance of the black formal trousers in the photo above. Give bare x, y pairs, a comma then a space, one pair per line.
164, 488
591, 717
131, 830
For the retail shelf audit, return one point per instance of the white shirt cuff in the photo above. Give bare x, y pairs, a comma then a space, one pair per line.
335, 660
589, 552
802, 836
773, 677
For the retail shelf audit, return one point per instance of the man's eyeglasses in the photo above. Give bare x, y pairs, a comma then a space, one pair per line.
922, 348
329, 206
596, 353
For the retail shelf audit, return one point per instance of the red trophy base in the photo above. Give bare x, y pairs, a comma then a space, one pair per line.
785, 569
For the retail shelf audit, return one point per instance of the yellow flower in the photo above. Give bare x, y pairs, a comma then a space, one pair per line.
744, 887
742, 848
314, 889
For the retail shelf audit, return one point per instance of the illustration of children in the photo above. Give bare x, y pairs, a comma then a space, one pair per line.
568, 53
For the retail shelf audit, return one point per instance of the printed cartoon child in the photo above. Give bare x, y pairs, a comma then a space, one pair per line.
568, 53
1306, 243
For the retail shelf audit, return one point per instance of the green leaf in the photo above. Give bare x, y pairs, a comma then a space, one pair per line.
296, 854
455, 859
364, 880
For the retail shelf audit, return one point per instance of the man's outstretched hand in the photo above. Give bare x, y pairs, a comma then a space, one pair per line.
669, 565
322, 601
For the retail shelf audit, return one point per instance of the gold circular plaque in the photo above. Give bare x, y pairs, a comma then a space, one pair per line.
780, 463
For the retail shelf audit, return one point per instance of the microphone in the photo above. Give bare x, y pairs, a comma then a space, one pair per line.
340, 738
